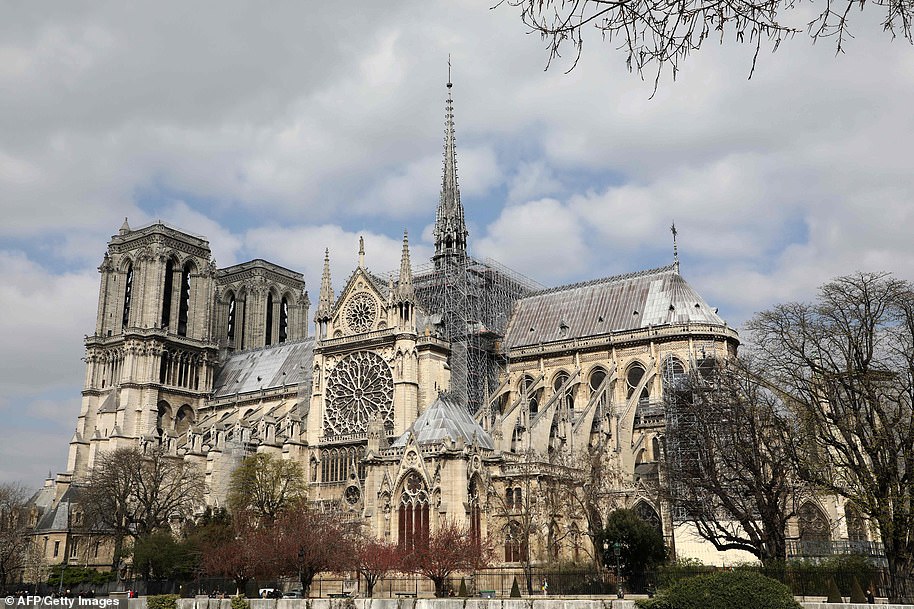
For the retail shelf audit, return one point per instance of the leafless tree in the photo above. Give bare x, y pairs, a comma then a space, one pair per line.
659, 33
265, 485
13, 541
846, 364
535, 505
728, 464
133, 494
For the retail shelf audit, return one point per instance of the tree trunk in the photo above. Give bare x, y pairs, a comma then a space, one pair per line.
440, 590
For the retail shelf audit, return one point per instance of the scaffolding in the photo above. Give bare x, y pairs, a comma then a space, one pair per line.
473, 300
682, 450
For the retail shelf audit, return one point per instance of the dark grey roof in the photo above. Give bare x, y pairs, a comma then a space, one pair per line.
57, 517
654, 297
240, 371
445, 419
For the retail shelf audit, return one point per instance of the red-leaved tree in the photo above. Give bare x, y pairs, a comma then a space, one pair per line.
237, 552
449, 549
304, 542
374, 559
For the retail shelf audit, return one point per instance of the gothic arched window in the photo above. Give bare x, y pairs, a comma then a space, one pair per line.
812, 523
413, 513
184, 302
269, 322
633, 378
649, 515
168, 292
283, 319
515, 543
128, 293
475, 517
230, 323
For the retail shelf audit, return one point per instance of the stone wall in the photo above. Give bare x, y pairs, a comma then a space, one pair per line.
444, 603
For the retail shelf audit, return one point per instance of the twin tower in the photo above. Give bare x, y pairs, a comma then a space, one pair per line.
166, 315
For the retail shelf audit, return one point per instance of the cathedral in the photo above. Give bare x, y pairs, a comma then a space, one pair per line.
452, 389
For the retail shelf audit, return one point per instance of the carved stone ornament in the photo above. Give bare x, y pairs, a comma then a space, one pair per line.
358, 388
360, 312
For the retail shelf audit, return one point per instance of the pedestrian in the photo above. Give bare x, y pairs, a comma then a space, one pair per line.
869, 597
545, 587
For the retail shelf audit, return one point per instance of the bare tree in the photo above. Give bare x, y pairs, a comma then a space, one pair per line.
728, 461
133, 494
265, 486
658, 33
846, 363
13, 541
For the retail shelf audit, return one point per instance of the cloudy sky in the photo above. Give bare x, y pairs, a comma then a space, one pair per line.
278, 131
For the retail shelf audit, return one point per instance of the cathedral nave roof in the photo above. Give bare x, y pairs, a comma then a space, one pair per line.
653, 297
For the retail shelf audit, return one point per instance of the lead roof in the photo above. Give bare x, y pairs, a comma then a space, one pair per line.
654, 297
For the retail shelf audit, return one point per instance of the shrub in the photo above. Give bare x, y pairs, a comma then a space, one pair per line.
724, 590
239, 602
834, 595
462, 593
515, 589
857, 595
162, 601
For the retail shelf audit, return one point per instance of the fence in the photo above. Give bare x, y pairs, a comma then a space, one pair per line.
803, 580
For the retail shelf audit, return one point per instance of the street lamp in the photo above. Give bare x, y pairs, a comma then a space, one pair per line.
617, 550
605, 552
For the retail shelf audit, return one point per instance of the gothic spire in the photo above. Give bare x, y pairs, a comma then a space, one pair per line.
325, 301
405, 281
450, 227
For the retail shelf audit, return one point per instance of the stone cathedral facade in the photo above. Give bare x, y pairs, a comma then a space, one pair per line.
453, 389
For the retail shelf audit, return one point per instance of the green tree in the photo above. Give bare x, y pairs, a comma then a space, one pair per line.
641, 546
264, 486
845, 365
161, 556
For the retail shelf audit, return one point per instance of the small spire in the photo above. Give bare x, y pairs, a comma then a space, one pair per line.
405, 281
125, 228
675, 249
361, 252
325, 300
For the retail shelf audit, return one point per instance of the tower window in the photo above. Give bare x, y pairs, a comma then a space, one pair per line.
269, 339
128, 290
283, 320
230, 330
184, 303
167, 292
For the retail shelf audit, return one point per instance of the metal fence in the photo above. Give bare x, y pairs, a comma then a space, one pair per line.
802, 579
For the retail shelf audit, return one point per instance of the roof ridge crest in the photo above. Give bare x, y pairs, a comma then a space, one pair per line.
608, 279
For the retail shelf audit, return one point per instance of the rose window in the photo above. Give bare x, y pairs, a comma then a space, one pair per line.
360, 387
360, 312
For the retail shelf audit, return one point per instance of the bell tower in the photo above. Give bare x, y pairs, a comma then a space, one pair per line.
149, 364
